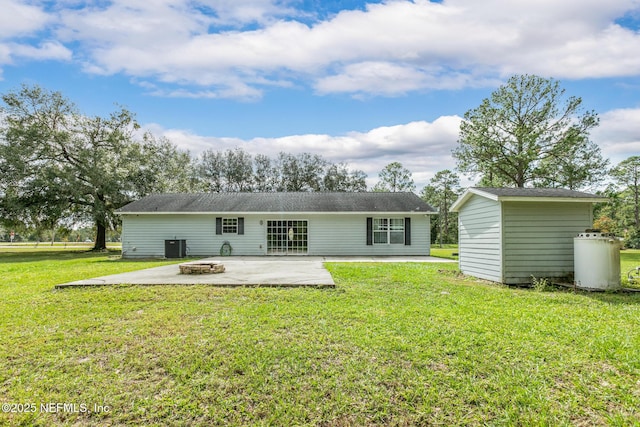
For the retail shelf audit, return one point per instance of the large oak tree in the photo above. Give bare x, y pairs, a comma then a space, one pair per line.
63, 164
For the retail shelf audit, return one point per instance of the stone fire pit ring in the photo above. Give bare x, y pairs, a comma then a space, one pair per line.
201, 267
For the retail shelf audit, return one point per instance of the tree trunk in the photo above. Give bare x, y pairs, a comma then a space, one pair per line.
636, 189
445, 228
101, 237
100, 218
637, 212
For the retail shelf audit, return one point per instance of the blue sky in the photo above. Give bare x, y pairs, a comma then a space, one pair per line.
365, 83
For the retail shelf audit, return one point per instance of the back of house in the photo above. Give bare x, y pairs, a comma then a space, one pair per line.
209, 224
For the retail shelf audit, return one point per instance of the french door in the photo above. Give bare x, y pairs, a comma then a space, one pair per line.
287, 237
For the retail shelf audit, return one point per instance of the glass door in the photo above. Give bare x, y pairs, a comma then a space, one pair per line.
287, 237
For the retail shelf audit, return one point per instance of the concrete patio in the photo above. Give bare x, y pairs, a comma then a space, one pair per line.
244, 271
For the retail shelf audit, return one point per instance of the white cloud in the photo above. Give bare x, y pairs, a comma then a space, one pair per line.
226, 49
19, 19
239, 90
47, 50
619, 134
374, 78
388, 49
422, 147
390, 79
5, 55
243, 11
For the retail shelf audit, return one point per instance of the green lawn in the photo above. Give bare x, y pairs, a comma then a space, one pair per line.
6, 247
393, 344
629, 259
446, 251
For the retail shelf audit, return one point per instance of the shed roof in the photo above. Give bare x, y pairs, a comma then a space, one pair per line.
325, 202
527, 195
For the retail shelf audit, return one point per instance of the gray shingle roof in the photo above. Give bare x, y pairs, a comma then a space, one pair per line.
527, 195
278, 202
537, 192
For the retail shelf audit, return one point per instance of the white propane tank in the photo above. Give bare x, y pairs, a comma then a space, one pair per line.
596, 260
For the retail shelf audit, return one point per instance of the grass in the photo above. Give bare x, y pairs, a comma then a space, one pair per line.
446, 251
48, 247
629, 259
394, 344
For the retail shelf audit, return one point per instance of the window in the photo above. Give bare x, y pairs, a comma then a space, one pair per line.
380, 230
229, 225
388, 230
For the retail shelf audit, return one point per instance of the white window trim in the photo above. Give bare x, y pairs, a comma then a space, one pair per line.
388, 231
226, 226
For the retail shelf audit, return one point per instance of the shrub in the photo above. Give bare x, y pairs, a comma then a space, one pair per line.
633, 240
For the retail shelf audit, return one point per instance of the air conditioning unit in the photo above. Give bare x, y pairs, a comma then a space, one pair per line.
175, 248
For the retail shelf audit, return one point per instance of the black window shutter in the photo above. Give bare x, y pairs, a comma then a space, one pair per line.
240, 225
218, 225
407, 231
369, 231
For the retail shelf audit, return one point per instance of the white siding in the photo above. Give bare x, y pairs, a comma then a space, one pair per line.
329, 234
480, 239
144, 235
538, 238
347, 235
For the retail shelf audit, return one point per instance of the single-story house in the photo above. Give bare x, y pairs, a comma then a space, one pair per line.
320, 223
508, 235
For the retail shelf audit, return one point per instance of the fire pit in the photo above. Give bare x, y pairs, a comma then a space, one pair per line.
201, 267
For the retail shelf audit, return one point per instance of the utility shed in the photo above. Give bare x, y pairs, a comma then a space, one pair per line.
507, 235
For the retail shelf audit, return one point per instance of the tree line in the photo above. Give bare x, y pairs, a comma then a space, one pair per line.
60, 168
238, 171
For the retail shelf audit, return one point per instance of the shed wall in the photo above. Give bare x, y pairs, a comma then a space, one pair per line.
480, 239
538, 238
328, 234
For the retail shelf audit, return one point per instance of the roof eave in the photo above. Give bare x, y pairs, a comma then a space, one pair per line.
455, 207
239, 213
553, 199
